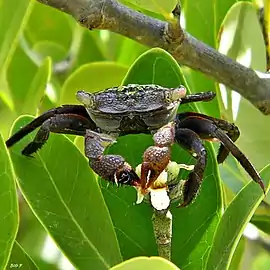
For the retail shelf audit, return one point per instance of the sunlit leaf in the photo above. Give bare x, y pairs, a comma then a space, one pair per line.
130, 51
238, 255
89, 50
14, 22
7, 116
8, 206
233, 222
20, 259
261, 262
146, 263
158, 6
46, 48
11, 25
53, 26
155, 67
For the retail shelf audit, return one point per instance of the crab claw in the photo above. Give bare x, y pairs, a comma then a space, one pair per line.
155, 160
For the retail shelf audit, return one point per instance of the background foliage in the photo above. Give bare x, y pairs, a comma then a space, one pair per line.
45, 57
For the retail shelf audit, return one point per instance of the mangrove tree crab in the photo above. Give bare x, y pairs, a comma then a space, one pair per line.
134, 109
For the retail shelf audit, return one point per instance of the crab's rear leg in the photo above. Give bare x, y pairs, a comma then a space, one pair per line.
66, 119
113, 168
210, 129
230, 129
63, 123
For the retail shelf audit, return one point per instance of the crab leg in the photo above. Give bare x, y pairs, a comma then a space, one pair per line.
190, 141
113, 168
78, 112
230, 129
208, 129
64, 123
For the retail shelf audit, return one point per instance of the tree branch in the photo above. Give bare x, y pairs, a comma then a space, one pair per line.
113, 16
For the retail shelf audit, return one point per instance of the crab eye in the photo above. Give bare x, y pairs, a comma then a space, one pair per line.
174, 94
85, 98
178, 93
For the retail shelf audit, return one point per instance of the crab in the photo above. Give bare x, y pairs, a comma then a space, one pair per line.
134, 109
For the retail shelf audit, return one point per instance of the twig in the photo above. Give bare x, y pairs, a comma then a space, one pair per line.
162, 224
113, 16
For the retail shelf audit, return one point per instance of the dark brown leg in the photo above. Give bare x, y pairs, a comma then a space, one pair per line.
65, 109
207, 129
61, 123
202, 96
230, 129
190, 141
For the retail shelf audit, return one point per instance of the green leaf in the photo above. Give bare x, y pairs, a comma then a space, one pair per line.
11, 25
203, 28
20, 259
146, 263
53, 26
135, 233
89, 50
233, 222
155, 66
158, 6
19, 84
37, 88
46, 48
262, 222
65, 196
92, 77
7, 117
231, 174
8, 206
129, 51
238, 255
261, 262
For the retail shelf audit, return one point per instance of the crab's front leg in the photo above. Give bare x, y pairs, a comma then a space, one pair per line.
113, 168
189, 140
